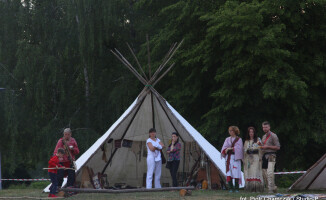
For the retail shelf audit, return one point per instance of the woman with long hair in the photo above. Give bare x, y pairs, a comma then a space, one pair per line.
174, 157
252, 162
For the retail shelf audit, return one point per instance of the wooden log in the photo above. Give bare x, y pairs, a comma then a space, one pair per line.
86, 190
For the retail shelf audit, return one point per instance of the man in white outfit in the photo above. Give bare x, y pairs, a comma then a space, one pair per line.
154, 160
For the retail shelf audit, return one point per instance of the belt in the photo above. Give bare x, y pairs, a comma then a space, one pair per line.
255, 151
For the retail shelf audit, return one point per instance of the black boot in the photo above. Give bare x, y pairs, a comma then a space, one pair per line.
236, 185
230, 186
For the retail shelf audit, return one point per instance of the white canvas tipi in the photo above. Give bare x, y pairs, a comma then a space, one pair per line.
121, 151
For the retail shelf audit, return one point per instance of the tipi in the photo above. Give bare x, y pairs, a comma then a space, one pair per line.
314, 178
121, 152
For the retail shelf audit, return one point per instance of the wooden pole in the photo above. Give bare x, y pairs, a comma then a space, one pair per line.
87, 190
133, 54
128, 63
163, 74
208, 173
164, 63
159, 69
149, 58
135, 73
131, 67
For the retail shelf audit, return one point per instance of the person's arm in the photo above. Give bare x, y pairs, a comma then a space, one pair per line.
75, 149
171, 147
159, 146
162, 145
224, 149
168, 150
276, 148
245, 146
177, 147
150, 146
52, 163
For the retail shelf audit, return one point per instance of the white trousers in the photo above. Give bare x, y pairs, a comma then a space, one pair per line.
153, 167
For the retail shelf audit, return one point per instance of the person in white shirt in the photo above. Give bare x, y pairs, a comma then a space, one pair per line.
154, 160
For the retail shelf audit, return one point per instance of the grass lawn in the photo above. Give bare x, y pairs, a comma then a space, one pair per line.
198, 194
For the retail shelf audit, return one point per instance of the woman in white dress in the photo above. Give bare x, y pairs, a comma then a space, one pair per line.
154, 160
252, 162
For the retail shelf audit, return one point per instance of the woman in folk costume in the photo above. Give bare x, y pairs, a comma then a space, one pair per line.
154, 160
232, 151
252, 162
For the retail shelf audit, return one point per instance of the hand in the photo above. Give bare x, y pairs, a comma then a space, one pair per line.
56, 167
264, 147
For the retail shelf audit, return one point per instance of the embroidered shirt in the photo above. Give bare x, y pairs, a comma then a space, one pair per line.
272, 140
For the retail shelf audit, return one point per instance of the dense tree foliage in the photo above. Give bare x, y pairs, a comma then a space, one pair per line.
241, 63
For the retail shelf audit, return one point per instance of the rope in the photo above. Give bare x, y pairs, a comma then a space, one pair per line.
39, 179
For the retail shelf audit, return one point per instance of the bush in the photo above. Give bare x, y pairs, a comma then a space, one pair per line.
286, 180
